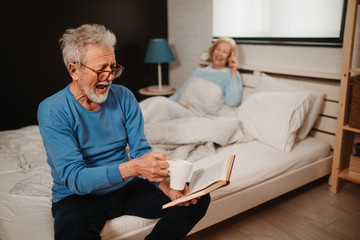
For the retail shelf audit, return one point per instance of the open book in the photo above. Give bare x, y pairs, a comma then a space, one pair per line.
206, 180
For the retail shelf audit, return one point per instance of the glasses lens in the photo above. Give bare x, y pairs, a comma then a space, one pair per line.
103, 76
118, 72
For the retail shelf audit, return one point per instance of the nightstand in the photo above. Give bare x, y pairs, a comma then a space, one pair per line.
150, 91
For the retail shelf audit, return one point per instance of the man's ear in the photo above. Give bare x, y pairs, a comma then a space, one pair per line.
74, 71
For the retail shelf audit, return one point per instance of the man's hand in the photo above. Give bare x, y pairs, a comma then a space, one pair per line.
175, 194
153, 166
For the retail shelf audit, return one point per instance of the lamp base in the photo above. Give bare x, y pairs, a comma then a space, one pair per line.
165, 89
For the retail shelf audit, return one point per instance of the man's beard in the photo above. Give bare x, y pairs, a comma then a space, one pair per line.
91, 95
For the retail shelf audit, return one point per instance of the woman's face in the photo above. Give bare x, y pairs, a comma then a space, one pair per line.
221, 55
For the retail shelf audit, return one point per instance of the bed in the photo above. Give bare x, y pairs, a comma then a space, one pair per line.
272, 157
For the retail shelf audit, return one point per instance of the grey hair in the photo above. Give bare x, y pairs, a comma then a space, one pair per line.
73, 41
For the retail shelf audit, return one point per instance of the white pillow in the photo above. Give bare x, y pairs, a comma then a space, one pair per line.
202, 97
270, 84
274, 117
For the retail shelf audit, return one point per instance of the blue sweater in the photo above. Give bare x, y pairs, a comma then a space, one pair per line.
231, 87
84, 148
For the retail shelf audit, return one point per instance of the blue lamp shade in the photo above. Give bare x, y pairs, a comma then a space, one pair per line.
158, 51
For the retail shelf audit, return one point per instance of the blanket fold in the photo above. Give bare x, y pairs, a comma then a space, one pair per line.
181, 133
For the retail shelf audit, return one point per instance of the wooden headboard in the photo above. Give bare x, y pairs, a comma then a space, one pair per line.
329, 84
325, 127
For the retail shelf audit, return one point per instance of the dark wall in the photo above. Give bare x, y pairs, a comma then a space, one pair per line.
31, 59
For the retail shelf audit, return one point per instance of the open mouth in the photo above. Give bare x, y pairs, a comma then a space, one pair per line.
102, 87
217, 58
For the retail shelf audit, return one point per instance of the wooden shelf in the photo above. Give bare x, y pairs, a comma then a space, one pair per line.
350, 129
355, 70
345, 134
350, 176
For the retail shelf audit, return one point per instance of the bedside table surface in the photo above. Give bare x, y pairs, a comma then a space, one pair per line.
148, 91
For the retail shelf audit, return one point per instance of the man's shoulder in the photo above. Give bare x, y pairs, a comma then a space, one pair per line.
119, 88
121, 92
58, 102
54, 99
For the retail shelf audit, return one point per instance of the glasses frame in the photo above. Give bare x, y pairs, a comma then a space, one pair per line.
119, 68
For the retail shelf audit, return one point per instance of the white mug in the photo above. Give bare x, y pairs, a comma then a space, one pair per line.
180, 171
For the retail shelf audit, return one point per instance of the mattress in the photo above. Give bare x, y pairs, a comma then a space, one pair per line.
256, 162
25, 181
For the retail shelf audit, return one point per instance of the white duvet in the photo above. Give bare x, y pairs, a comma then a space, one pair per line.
193, 138
192, 127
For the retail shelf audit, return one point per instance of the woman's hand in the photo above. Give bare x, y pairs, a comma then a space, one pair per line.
175, 194
153, 166
233, 64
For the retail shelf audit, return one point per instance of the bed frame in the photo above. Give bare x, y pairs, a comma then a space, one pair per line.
324, 130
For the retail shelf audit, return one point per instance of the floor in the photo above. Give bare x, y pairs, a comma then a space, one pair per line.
310, 212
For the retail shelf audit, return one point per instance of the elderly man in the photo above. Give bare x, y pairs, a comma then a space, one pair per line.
86, 128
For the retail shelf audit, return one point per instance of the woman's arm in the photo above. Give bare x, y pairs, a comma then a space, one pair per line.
233, 91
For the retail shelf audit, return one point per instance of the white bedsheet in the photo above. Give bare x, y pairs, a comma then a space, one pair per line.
256, 162
26, 216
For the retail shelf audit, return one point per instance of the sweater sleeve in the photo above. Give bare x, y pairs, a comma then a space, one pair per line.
233, 91
134, 125
138, 143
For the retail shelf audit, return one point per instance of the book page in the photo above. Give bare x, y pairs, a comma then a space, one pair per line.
202, 178
206, 180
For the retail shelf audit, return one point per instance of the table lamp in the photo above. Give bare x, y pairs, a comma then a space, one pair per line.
158, 51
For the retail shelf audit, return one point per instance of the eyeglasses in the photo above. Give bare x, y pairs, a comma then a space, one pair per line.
103, 75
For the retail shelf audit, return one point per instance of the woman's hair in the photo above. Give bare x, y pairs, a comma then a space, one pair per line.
73, 42
221, 40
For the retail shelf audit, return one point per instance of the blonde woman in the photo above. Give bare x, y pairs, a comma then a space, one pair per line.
222, 71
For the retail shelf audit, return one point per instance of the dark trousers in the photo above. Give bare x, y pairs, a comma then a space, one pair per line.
83, 216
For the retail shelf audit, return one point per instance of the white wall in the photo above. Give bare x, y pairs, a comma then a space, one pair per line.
190, 33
